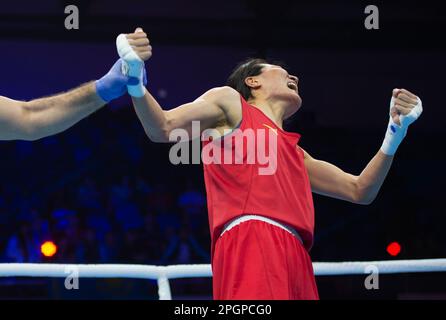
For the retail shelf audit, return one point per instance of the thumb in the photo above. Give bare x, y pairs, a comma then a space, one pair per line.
396, 92
138, 30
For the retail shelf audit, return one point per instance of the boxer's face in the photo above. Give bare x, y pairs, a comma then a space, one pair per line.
275, 82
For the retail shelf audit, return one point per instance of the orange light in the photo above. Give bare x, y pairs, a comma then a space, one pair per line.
48, 249
394, 249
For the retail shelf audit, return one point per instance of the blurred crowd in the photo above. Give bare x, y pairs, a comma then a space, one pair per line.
128, 222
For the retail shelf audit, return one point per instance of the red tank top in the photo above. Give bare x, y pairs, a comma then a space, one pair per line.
235, 189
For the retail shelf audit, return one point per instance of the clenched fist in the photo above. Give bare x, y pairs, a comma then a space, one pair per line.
405, 108
134, 49
140, 44
403, 103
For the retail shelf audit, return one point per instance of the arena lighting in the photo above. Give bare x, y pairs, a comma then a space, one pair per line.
394, 249
48, 249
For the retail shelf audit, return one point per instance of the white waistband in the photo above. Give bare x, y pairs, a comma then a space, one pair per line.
248, 217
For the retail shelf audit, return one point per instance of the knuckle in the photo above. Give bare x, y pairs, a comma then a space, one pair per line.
404, 95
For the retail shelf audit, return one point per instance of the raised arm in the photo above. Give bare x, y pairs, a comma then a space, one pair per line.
47, 116
43, 117
329, 180
210, 109
214, 109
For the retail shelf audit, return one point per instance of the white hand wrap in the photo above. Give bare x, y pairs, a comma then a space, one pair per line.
132, 66
395, 133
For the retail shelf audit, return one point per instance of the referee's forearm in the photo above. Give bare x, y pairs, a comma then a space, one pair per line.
47, 116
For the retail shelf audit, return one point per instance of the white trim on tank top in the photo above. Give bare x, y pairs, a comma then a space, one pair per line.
236, 221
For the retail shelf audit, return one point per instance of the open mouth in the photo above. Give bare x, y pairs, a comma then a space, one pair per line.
292, 85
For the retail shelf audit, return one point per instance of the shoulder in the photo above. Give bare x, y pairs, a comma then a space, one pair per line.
222, 96
226, 98
307, 157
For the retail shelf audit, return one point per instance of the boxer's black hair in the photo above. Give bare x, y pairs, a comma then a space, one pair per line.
250, 68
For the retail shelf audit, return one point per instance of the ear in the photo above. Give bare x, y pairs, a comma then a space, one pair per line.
252, 82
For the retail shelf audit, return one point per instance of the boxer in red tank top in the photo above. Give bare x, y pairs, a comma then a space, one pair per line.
262, 224
269, 263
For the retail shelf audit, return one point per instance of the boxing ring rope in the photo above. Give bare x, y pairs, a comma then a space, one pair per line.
163, 273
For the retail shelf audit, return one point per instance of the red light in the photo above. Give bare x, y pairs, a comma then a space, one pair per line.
48, 249
394, 249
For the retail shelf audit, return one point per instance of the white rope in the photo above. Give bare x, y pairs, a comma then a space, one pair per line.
163, 273
204, 270
134, 271
396, 266
84, 270
188, 271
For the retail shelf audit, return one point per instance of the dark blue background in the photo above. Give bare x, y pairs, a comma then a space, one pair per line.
124, 197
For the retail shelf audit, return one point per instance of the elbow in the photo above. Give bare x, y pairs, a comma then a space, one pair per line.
158, 136
28, 129
362, 195
30, 133
31, 138
364, 199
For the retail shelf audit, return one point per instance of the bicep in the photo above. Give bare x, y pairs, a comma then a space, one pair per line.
12, 120
207, 110
328, 180
207, 114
